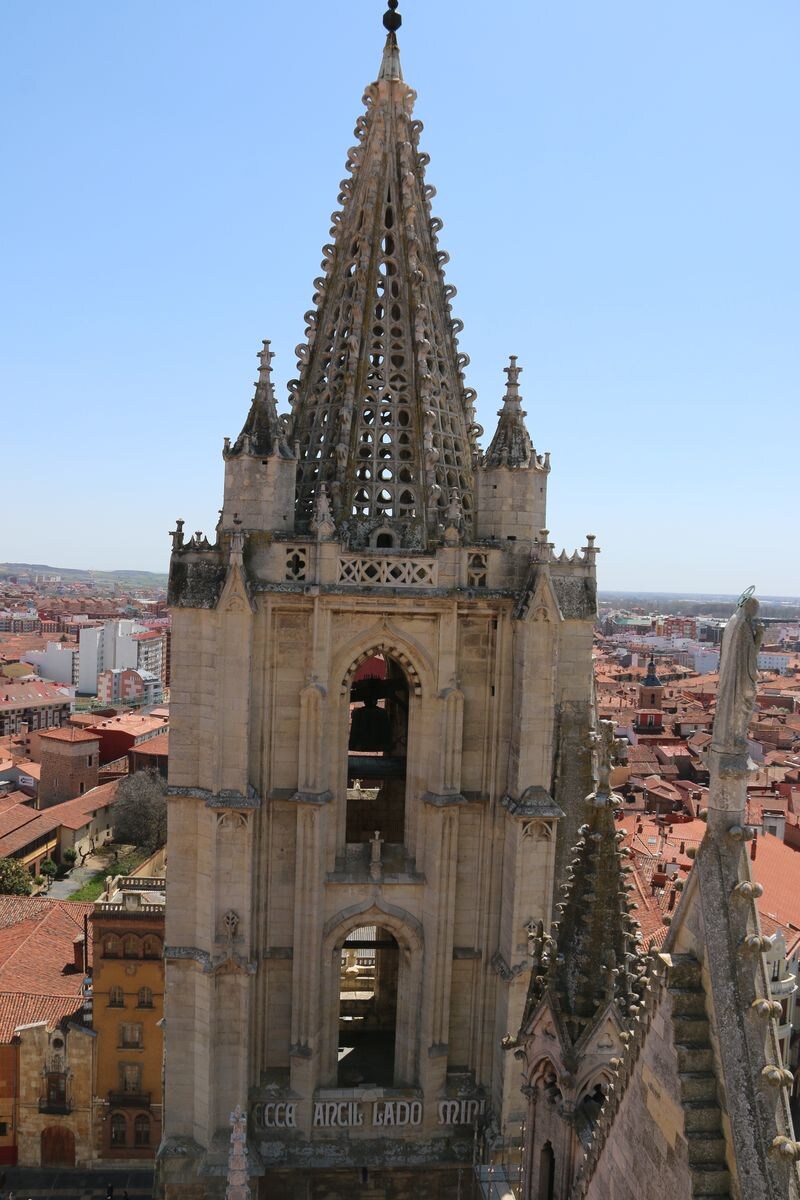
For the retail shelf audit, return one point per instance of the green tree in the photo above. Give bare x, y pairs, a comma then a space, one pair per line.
70, 855
140, 811
14, 879
49, 869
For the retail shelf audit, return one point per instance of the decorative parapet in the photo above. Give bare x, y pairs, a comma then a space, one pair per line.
397, 571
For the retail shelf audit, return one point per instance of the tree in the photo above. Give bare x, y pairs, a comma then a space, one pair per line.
49, 869
70, 855
14, 879
140, 811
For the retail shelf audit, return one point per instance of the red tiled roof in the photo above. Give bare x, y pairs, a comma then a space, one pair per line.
158, 745
72, 814
22, 1008
38, 980
69, 733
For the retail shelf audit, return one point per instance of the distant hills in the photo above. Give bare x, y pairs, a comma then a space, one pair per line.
129, 580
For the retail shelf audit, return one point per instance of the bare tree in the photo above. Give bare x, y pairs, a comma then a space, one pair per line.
140, 811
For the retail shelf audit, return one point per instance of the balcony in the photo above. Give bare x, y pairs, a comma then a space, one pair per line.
783, 987
60, 1108
129, 1099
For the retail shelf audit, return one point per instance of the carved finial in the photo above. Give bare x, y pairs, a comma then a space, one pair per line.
177, 535
391, 18
513, 373
265, 357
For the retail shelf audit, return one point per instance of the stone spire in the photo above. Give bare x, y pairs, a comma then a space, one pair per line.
261, 433
380, 411
593, 956
511, 444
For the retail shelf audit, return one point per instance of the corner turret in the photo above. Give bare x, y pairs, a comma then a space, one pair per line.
259, 467
511, 480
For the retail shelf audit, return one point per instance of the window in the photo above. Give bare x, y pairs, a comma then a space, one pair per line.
141, 1131
3, 1129
130, 1078
89, 759
116, 997
119, 1130
56, 1088
145, 998
152, 947
130, 1035
111, 947
130, 947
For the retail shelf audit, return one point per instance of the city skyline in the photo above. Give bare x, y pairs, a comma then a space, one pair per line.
616, 194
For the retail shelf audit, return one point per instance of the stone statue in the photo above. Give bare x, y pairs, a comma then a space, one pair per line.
738, 677
606, 747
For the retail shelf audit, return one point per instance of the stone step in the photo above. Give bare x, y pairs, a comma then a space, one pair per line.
696, 1060
706, 1151
688, 1002
713, 1179
701, 1087
702, 1119
684, 972
691, 1031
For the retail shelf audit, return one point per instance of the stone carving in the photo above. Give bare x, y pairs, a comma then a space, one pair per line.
396, 572
738, 677
237, 1187
230, 923
606, 747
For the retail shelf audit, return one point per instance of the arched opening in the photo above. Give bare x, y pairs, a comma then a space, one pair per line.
368, 989
547, 1172
377, 749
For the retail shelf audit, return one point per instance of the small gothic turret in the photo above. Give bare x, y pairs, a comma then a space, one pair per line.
261, 433
512, 477
259, 466
511, 444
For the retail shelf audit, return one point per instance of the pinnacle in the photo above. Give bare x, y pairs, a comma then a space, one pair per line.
390, 63
593, 957
511, 445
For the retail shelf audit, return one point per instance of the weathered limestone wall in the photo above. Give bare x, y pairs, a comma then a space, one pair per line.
645, 1156
75, 1055
511, 503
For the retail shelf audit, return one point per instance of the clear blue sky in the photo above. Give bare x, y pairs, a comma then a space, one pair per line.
619, 187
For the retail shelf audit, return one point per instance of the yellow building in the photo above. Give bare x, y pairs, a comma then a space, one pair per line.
128, 1004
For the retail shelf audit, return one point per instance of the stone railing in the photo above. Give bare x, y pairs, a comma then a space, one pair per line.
390, 572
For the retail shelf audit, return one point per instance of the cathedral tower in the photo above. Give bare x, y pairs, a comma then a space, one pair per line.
381, 691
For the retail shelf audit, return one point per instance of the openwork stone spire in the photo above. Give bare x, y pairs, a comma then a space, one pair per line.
593, 956
511, 444
380, 411
261, 433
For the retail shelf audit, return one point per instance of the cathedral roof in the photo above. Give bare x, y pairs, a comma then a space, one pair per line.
380, 411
